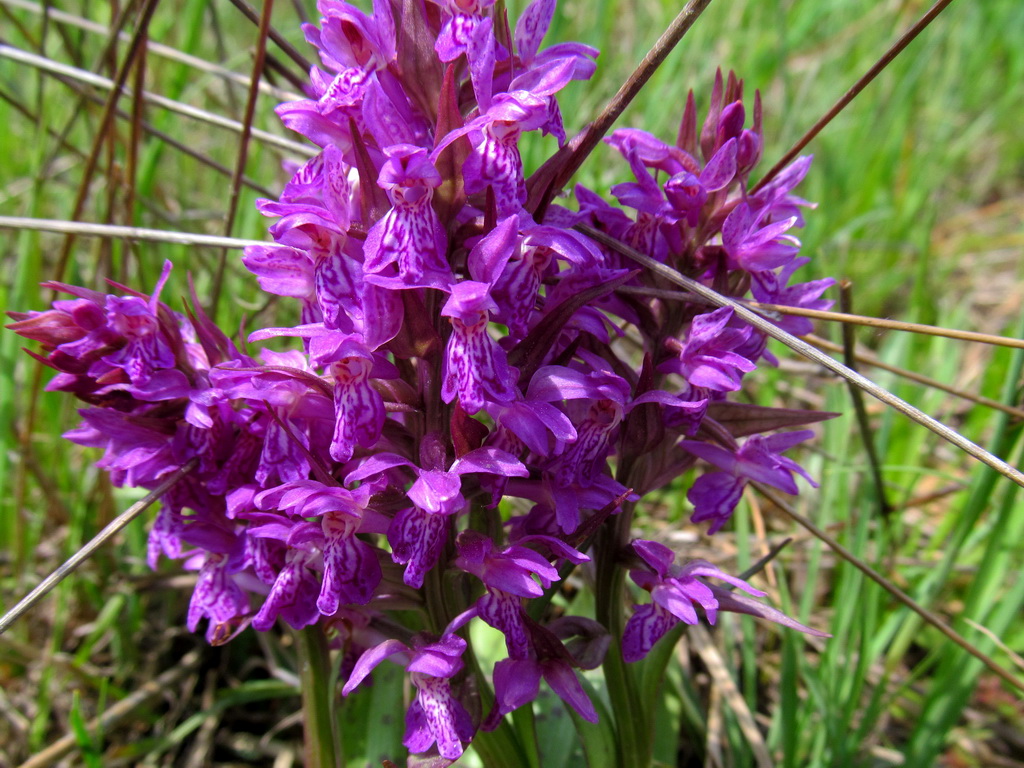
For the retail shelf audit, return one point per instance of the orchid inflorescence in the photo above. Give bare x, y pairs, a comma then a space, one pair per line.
482, 394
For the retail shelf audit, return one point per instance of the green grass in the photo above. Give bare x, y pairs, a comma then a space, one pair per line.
918, 185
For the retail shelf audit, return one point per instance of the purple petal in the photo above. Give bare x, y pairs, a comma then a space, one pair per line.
437, 492
359, 414
292, 597
730, 601
516, 682
489, 256
440, 659
677, 597
351, 570
491, 461
531, 28
418, 736
280, 270
370, 659
417, 539
645, 627
714, 497
481, 55
562, 679
712, 454
656, 555
446, 718
504, 612
721, 168
375, 465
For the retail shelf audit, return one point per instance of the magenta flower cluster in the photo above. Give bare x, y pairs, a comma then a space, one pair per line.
475, 392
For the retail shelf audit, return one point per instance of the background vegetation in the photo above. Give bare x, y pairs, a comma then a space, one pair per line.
920, 185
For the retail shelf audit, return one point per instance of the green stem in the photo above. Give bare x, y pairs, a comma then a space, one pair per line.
323, 747
526, 726
631, 716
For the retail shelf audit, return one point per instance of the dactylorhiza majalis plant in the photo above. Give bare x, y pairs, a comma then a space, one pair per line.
479, 394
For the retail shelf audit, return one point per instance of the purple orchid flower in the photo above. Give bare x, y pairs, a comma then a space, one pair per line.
508, 576
411, 232
350, 569
517, 680
677, 589
775, 197
348, 38
754, 245
217, 597
715, 494
301, 411
495, 161
476, 369
417, 534
464, 17
772, 288
705, 359
358, 407
293, 594
415, 209
435, 714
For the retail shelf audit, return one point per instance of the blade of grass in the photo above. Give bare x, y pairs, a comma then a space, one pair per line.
117, 86
955, 679
892, 589
107, 56
148, 127
967, 521
127, 707
92, 158
209, 162
723, 679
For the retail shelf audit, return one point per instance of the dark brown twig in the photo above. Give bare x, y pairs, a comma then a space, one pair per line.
857, 396
105, 122
132, 169
250, 13
905, 39
243, 148
568, 160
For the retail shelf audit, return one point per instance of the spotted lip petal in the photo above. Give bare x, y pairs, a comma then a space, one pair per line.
476, 369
